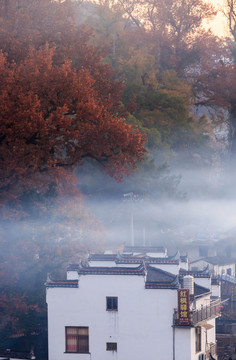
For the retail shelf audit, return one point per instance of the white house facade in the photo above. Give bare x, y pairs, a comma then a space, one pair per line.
132, 312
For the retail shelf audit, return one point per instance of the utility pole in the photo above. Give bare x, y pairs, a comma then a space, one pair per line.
129, 197
144, 235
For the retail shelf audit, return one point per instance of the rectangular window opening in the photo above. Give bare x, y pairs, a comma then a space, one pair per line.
198, 334
112, 303
77, 339
111, 346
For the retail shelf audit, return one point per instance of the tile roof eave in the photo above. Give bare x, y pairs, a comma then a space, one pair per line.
62, 284
196, 274
147, 261
172, 286
138, 271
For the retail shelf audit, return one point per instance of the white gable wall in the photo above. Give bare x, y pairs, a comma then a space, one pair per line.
216, 290
102, 263
72, 275
223, 269
185, 341
182, 339
171, 268
184, 265
216, 269
205, 282
141, 326
158, 254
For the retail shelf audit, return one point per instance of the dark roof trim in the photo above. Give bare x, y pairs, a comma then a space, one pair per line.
140, 271
196, 274
147, 260
151, 285
102, 257
62, 283
129, 259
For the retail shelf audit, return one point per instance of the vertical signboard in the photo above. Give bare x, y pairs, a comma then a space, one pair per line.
183, 307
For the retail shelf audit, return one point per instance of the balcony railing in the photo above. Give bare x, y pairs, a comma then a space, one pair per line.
206, 312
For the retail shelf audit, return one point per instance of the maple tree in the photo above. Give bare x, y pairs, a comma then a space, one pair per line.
27, 23
31, 22
59, 104
51, 118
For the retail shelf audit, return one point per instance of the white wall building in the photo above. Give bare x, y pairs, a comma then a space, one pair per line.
152, 251
129, 312
217, 266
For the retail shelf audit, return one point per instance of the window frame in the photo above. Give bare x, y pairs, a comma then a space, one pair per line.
79, 349
111, 346
114, 303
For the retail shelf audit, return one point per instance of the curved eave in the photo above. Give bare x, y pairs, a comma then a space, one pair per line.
62, 284
161, 286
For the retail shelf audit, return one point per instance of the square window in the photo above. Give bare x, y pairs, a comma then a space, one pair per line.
112, 303
77, 339
111, 346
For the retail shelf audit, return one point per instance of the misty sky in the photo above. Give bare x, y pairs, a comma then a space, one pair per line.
219, 24
209, 206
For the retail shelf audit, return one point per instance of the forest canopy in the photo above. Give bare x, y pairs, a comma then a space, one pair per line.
129, 87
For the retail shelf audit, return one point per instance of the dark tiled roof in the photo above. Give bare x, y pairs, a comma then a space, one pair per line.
144, 249
126, 259
146, 259
159, 279
93, 270
62, 283
183, 258
200, 290
194, 273
102, 257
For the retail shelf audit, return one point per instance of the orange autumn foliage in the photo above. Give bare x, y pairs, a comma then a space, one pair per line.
51, 118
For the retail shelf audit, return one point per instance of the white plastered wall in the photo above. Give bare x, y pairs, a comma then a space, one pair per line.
142, 326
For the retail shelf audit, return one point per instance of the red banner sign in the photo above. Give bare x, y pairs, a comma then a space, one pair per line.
183, 307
